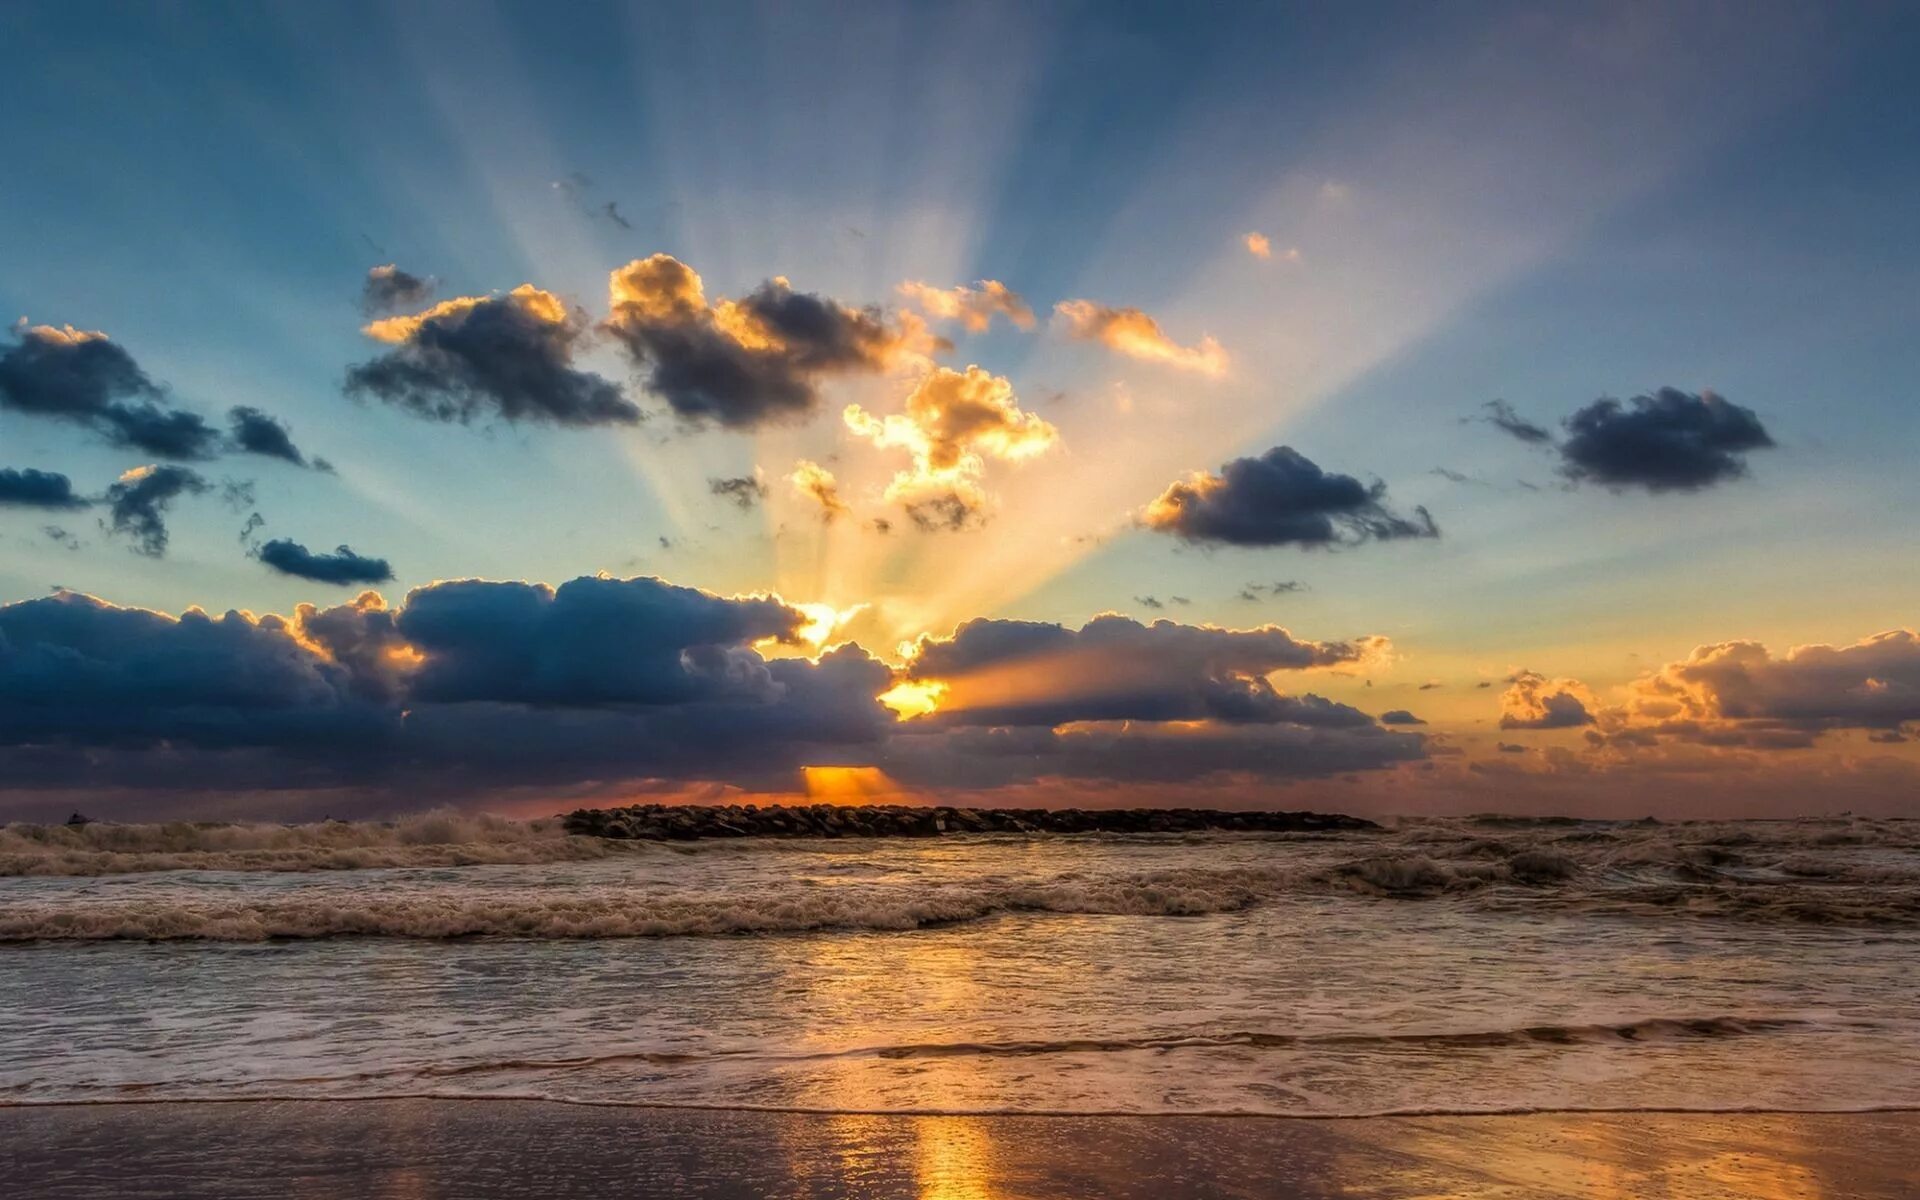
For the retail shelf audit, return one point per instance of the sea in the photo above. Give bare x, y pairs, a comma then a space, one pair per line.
1457, 965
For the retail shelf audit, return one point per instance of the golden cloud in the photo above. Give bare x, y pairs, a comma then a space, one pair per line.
954, 421
974, 307
542, 306
1133, 333
817, 483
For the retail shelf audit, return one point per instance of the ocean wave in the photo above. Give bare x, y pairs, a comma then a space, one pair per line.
438, 838
604, 914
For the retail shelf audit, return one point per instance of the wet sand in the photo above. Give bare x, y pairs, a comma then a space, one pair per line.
481, 1149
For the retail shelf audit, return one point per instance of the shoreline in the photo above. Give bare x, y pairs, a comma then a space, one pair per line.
511, 1148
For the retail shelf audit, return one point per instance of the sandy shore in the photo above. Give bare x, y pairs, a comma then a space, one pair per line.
477, 1149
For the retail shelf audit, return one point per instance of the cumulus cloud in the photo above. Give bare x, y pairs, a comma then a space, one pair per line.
1533, 701
1281, 498
389, 289
137, 504
997, 672
505, 356
1742, 691
1669, 441
954, 421
28, 488
467, 685
343, 566
974, 307
817, 484
1133, 333
83, 378
743, 491
753, 361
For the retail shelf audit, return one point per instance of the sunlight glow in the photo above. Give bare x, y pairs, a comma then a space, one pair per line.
914, 698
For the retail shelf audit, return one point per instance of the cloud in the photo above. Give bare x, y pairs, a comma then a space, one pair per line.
952, 511
389, 289
1669, 441
1278, 499
81, 377
85, 379
28, 488
1742, 692
467, 686
954, 421
749, 362
974, 307
1259, 245
255, 432
1501, 415
1133, 333
744, 491
1532, 701
817, 483
1399, 716
341, 567
997, 672
137, 504
598, 686
1280, 587
505, 356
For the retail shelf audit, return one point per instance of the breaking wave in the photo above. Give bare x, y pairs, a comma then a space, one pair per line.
439, 838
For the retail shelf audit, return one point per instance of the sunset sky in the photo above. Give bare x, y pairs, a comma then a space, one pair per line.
1371, 407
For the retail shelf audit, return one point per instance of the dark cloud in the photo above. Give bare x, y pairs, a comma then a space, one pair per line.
137, 504
744, 491
467, 686
1400, 716
27, 488
255, 432
343, 566
947, 512
1114, 668
1281, 498
1148, 602
165, 432
748, 362
1669, 441
72, 375
533, 644
79, 671
1510, 748
1280, 587
1500, 415
500, 356
60, 536
389, 289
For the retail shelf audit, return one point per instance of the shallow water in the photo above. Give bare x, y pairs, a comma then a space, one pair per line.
1442, 966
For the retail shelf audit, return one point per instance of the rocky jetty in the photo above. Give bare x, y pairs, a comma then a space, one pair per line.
687, 822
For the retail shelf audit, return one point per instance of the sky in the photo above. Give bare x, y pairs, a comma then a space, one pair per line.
1389, 408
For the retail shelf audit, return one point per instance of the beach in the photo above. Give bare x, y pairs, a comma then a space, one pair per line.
482, 1149
1440, 1008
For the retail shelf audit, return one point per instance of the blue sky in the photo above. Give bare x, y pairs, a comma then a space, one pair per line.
1464, 203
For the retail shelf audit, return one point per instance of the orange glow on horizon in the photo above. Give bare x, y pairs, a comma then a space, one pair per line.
850, 785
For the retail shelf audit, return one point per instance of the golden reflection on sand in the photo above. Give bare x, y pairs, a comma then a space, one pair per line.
1623, 1157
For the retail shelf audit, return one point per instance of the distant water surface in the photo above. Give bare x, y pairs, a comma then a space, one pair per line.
1439, 966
